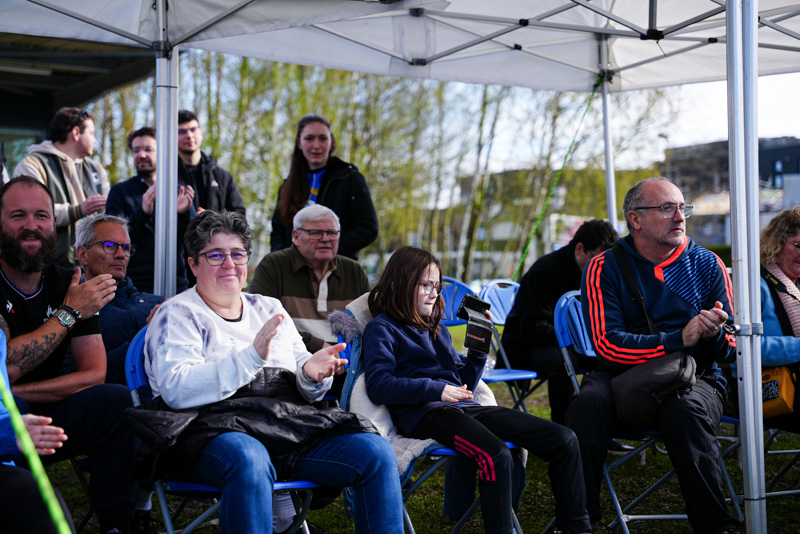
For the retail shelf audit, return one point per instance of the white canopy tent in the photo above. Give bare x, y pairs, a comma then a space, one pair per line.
162, 26
548, 44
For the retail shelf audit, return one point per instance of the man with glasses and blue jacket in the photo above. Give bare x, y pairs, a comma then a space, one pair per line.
687, 293
103, 246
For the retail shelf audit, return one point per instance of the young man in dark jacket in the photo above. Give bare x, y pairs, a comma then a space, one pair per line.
215, 188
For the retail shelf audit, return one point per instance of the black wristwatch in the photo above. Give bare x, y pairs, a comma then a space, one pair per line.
65, 318
72, 311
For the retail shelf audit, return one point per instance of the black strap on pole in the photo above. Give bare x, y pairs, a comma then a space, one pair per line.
555, 182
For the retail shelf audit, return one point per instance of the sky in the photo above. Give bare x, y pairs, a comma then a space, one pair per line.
703, 115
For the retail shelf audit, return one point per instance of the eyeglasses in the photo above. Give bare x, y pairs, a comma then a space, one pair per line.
317, 234
217, 257
184, 131
110, 247
668, 210
427, 287
78, 119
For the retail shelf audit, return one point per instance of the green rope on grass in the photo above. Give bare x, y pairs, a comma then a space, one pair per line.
555, 182
35, 464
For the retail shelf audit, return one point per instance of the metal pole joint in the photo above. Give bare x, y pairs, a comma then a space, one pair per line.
163, 49
744, 330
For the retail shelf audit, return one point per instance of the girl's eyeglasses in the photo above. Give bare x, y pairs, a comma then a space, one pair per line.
427, 287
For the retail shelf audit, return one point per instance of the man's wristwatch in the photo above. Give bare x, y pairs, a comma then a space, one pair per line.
65, 318
72, 311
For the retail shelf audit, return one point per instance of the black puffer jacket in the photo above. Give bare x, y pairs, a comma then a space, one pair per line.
344, 190
269, 408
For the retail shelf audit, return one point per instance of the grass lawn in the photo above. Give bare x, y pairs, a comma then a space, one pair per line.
537, 507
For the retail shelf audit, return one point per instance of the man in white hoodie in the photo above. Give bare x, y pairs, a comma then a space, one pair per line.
79, 184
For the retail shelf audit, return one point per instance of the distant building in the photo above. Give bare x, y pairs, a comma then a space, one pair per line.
701, 169
701, 172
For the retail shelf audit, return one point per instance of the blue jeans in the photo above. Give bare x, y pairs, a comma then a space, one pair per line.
240, 465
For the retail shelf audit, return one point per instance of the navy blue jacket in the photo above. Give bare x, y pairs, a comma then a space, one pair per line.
120, 320
674, 291
125, 199
407, 369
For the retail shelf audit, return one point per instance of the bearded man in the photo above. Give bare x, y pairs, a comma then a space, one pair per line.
45, 311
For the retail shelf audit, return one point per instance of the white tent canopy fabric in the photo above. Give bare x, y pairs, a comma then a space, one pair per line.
543, 44
561, 45
135, 22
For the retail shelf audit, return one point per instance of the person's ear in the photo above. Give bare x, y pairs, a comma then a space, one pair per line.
81, 253
579, 249
635, 219
192, 266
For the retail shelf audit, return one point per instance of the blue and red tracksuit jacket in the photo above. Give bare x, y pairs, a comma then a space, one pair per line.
690, 280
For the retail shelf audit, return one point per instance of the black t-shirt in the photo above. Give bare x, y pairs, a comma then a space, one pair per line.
25, 313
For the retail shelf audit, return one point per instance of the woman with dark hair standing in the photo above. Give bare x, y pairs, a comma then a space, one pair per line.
318, 177
411, 366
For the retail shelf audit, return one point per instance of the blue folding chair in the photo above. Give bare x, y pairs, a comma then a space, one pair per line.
517, 380
139, 387
572, 334
500, 294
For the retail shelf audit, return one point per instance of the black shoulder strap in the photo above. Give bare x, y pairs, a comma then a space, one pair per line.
630, 281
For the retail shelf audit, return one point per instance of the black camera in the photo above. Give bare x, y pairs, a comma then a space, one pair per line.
479, 327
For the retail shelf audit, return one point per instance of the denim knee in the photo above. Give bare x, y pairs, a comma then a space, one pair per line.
243, 457
378, 448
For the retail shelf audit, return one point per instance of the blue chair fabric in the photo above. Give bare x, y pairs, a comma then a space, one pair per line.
139, 387
500, 293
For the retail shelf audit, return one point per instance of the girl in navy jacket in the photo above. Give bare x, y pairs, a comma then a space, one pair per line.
411, 366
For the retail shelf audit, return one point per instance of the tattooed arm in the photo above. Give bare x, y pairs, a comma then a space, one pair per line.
90, 361
27, 351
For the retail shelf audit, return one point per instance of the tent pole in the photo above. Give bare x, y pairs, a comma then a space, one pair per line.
742, 155
165, 266
611, 185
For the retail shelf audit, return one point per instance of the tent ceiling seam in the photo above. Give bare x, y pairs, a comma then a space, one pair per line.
365, 44
95, 23
211, 22
611, 16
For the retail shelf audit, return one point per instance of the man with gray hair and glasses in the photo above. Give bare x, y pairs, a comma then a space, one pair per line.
103, 246
310, 278
687, 293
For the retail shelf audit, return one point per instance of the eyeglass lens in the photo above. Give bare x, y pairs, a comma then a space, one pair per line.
217, 257
110, 247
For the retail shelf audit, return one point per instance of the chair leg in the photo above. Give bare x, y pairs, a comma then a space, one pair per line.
76, 466
407, 521
466, 517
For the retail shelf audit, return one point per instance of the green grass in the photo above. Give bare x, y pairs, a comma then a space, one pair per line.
537, 507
